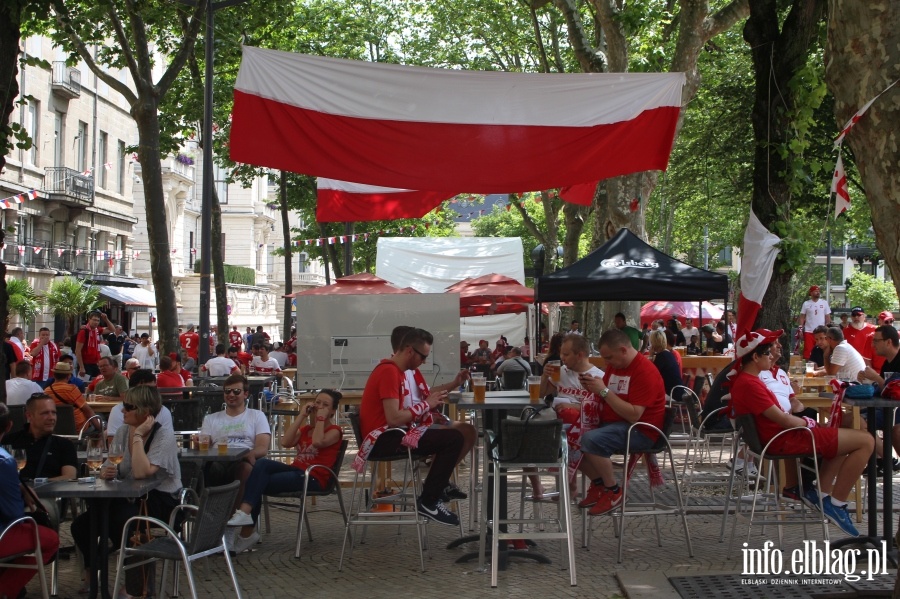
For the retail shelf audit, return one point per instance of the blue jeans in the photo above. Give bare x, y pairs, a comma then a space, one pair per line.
269, 477
610, 439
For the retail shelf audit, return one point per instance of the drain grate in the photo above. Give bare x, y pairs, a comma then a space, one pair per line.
735, 586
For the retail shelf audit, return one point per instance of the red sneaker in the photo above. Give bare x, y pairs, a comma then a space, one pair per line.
519, 544
593, 494
607, 501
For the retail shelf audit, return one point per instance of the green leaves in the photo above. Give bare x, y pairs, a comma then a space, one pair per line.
872, 293
23, 301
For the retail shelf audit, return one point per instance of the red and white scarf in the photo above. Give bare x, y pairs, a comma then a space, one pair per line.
45, 360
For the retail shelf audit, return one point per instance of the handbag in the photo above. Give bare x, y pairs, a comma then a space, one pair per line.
140, 581
856, 390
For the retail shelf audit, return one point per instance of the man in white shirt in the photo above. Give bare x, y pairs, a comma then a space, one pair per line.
241, 427
279, 356
145, 352
21, 387
841, 359
813, 313
263, 364
220, 365
689, 330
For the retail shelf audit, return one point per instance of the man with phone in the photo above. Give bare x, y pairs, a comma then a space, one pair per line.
87, 343
382, 407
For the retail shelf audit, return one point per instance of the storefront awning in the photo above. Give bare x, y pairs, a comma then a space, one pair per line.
133, 298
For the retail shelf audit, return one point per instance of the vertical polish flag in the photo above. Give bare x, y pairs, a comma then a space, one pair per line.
757, 261
839, 188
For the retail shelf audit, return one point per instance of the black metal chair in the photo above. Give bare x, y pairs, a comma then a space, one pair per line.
513, 379
333, 487
206, 537
65, 421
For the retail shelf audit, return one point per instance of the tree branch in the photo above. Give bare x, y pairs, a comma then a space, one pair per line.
122, 38
141, 45
726, 17
616, 44
581, 45
63, 18
187, 48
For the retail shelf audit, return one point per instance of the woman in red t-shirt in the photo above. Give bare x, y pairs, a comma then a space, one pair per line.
317, 443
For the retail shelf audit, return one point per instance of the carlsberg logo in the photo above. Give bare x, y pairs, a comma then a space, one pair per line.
619, 264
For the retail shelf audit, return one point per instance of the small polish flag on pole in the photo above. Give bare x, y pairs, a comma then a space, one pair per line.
839, 188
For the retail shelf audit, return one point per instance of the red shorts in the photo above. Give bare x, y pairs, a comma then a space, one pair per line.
799, 442
809, 342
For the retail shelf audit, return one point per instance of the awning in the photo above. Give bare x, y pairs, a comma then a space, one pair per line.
134, 299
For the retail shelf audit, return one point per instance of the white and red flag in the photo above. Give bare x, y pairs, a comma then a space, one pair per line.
839, 188
341, 201
757, 262
449, 130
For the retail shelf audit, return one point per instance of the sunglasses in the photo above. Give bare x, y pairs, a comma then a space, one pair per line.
128, 407
232, 391
421, 355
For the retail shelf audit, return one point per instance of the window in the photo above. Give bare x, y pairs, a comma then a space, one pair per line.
270, 258
723, 258
120, 167
102, 166
58, 136
220, 176
302, 262
31, 126
24, 235
81, 147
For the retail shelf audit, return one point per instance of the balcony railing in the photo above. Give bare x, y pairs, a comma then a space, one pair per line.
71, 259
66, 80
69, 186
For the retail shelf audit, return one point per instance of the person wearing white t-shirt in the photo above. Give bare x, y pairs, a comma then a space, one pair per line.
841, 359
220, 365
21, 387
145, 353
576, 406
262, 363
814, 312
689, 330
240, 427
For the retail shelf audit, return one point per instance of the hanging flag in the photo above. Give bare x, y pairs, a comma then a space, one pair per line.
37, 250
21, 250
118, 254
99, 254
135, 254
340, 201
59, 252
757, 262
839, 188
107, 165
419, 128
78, 252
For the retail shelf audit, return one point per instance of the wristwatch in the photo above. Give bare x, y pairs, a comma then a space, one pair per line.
604, 393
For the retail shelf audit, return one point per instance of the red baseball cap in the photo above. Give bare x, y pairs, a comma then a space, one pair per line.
886, 316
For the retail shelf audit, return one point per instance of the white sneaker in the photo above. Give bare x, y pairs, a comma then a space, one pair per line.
738, 465
240, 519
242, 544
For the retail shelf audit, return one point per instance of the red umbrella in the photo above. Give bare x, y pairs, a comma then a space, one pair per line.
359, 284
492, 294
678, 310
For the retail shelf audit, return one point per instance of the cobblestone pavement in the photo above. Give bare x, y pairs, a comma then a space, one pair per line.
388, 562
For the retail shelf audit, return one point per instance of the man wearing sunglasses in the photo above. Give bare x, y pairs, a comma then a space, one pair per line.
382, 407
239, 426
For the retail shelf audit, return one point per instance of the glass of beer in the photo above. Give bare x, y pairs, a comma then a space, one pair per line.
204, 442
810, 369
554, 373
222, 445
534, 389
479, 386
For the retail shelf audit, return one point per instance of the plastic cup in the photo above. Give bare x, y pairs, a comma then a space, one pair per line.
479, 386
204, 442
810, 368
534, 389
554, 373
223, 447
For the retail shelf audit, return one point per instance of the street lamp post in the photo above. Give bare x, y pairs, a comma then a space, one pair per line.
206, 208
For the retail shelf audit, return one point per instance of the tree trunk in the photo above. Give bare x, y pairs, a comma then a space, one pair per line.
10, 34
862, 58
147, 119
777, 56
288, 257
217, 266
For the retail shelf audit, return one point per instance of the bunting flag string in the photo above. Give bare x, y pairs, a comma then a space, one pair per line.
13, 201
109, 255
839, 179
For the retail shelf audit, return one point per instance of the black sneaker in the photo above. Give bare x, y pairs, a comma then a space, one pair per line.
452, 492
438, 512
792, 493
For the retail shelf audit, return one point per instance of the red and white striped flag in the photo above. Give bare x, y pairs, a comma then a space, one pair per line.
757, 262
449, 130
839, 188
340, 201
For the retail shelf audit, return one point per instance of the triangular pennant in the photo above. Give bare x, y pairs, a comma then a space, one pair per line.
37, 250
21, 250
59, 252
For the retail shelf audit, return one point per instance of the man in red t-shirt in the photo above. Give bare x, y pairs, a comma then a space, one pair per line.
190, 342
859, 335
169, 373
382, 408
87, 343
235, 339
632, 391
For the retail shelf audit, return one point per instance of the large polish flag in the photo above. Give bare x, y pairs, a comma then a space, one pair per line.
757, 263
449, 130
341, 201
